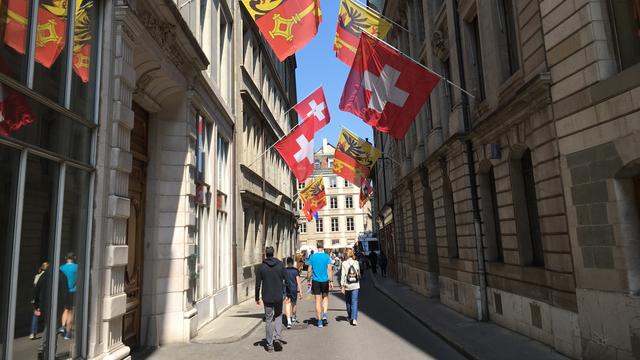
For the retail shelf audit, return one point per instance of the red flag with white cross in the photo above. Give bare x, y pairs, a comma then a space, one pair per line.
296, 148
314, 106
385, 88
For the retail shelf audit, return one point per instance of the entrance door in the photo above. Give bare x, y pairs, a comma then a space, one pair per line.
135, 228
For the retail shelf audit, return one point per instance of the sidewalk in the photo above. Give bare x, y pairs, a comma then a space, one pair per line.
233, 325
474, 339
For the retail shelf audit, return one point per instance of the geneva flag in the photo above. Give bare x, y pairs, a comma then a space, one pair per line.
352, 20
354, 158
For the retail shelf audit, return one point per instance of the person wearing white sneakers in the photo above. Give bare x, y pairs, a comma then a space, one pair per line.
350, 284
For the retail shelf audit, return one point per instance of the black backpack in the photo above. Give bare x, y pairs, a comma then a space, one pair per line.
352, 275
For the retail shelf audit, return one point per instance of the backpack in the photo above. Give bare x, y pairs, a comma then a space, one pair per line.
352, 275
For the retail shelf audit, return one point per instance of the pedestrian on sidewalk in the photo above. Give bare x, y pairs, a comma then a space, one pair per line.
383, 264
271, 278
320, 273
292, 293
373, 260
350, 285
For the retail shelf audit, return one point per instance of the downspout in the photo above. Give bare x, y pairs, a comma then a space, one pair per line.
483, 311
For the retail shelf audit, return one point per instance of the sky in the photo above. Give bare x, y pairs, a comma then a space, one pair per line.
318, 65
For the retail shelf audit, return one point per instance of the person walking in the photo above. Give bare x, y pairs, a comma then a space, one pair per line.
383, 264
292, 293
70, 270
350, 285
271, 280
373, 260
321, 276
35, 319
42, 305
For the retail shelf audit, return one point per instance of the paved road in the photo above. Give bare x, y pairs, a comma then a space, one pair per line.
384, 332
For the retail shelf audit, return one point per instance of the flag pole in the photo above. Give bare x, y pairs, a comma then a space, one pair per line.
421, 65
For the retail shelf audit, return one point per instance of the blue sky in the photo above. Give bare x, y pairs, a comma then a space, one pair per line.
318, 65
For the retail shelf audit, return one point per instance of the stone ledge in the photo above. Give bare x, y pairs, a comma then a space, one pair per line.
114, 306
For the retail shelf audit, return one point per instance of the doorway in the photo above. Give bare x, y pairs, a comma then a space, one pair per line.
135, 228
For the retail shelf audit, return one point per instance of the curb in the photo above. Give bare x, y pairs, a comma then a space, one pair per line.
459, 347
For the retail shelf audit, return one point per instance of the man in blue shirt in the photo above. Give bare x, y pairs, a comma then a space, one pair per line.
321, 275
70, 270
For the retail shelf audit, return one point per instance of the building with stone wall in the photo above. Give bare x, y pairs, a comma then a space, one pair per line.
123, 160
341, 221
519, 205
265, 185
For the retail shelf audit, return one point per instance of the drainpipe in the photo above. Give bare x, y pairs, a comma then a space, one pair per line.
483, 311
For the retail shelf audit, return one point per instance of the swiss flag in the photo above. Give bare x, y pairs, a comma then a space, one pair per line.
296, 148
386, 89
315, 107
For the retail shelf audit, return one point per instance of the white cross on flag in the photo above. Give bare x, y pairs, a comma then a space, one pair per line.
386, 89
296, 148
314, 106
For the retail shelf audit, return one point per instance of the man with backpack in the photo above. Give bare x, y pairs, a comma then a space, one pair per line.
350, 285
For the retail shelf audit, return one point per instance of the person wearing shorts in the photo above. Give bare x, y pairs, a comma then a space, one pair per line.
320, 273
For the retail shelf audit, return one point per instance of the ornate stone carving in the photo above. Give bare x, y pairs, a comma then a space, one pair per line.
439, 45
165, 35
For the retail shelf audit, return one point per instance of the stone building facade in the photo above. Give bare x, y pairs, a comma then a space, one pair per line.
341, 221
123, 163
519, 205
265, 185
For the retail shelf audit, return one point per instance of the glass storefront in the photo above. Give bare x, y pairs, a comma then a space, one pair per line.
47, 130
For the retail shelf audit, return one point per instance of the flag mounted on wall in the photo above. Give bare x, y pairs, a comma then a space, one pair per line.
296, 148
287, 25
385, 88
354, 158
313, 197
353, 18
314, 106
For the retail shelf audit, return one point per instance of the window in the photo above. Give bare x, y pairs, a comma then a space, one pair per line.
335, 226
347, 183
319, 225
491, 216
335, 242
477, 58
332, 182
624, 16
448, 88
301, 185
507, 41
525, 204
350, 224
334, 202
330, 163
450, 215
348, 202
300, 205
303, 228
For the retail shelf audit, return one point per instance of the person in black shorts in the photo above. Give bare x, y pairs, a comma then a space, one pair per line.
320, 273
292, 293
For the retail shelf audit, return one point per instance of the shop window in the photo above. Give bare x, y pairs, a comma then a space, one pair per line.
526, 209
625, 22
450, 216
507, 40
491, 215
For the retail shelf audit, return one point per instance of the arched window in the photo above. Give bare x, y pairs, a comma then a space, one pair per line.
490, 214
525, 204
450, 215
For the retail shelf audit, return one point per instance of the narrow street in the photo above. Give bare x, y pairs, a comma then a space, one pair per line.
384, 331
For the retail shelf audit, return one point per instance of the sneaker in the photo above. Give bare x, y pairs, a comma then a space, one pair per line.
288, 325
67, 336
320, 323
277, 345
354, 322
324, 319
32, 336
269, 349
62, 330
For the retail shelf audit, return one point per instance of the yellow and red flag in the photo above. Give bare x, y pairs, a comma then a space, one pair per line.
287, 25
354, 158
50, 38
354, 18
313, 197
366, 190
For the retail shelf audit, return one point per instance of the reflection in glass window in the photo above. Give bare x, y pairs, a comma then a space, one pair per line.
9, 163
85, 50
36, 258
13, 61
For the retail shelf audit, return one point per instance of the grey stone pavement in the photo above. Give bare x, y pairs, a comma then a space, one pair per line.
384, 331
